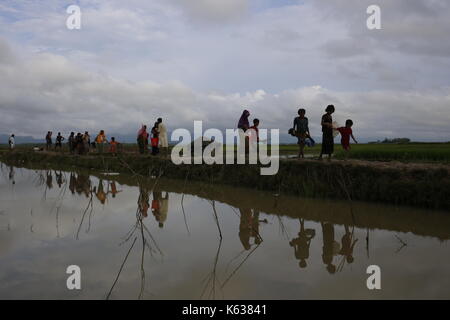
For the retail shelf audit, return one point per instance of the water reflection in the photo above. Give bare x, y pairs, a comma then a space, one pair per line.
233, 248
302, 243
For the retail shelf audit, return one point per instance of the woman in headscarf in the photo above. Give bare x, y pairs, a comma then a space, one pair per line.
243, 121
142, 138
244, 125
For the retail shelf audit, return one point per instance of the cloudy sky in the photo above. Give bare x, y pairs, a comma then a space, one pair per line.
185, 60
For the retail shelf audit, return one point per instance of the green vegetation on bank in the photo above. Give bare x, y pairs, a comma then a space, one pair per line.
408, 152
424, 185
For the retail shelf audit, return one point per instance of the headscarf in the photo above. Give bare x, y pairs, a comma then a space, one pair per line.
143, 132
243, 121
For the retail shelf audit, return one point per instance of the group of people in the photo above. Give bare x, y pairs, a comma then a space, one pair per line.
158, 138
81, 143
301, 131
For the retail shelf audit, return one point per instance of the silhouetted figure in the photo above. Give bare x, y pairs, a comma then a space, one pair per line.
143, 201
83, 185
114, 190
48, 141
301, 128
12, 174
249, 227
330, 247
162, 137
58, 141
155, 139
49, 180
12, 142
327, 133
302, 243
71, 142
59, 179
348, 244
142, 139
72, 182
156, 208
100, 193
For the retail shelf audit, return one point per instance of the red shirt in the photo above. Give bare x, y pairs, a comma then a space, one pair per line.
257, 132
345, 135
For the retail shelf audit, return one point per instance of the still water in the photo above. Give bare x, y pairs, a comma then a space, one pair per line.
165, 239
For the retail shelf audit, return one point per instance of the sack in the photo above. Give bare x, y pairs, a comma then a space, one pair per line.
292, 132
310, 142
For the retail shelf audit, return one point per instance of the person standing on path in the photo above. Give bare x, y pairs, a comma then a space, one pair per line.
12, 142
327, 133
163, 141
302, 131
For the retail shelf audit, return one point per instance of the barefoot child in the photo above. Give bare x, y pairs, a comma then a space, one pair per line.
113, 146
346, 132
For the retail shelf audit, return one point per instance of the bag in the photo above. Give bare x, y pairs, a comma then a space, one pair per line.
292, 132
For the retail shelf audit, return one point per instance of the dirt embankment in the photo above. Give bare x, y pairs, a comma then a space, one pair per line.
417, 184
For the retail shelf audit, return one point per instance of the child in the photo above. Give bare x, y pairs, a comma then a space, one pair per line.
155, 139
113, 146
254, 136
346, 132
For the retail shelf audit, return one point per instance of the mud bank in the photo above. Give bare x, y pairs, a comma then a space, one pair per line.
427, 187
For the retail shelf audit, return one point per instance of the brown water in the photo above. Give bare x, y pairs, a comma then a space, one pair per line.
171, 230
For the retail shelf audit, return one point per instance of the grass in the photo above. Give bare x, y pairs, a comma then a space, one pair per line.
410, 152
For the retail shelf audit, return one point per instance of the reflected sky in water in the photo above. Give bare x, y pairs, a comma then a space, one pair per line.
184, 240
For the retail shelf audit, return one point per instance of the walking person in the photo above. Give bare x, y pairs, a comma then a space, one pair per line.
113, 146
301, 129
100, 141
71, 142
86, 142
163, 141
79, 145
155, 139
12, 142
346, 132
327, 133
243, 125
142, 139
58, 141
48, 140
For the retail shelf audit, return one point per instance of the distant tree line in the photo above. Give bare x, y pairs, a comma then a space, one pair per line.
393, 141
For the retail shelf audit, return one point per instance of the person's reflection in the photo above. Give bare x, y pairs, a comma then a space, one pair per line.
83, 185
12, 174
114, 190
100, 193
72, 182
143, 201
49, 180
163, 209
160, 207
249, 227
330, 247
302, 243
59, 179
348, 244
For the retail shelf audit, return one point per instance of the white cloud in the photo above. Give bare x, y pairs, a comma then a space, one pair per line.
48, 92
